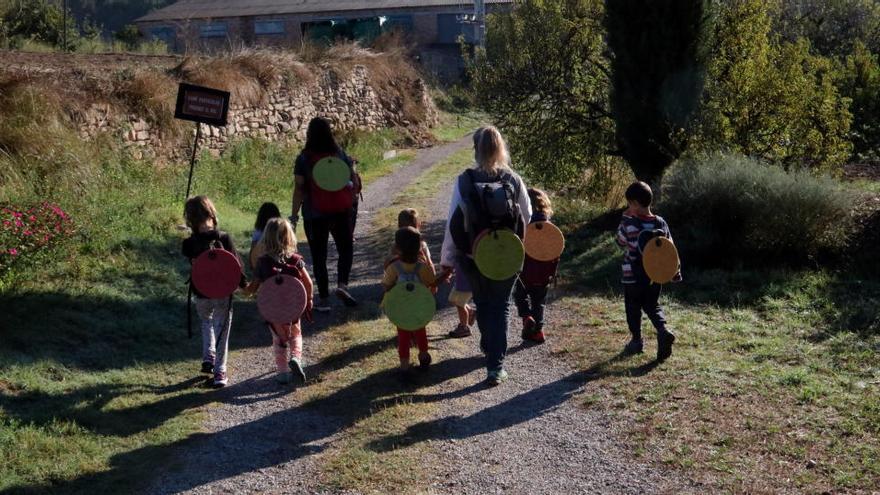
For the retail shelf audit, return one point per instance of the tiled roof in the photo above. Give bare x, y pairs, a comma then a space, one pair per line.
206, 9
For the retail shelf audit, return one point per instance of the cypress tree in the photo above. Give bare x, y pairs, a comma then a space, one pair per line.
658, 56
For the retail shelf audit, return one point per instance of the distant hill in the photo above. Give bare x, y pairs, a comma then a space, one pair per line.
112, 15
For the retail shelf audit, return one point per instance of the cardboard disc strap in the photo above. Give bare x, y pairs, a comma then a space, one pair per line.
660, 259
544, 241
331, 174
216, 273
499, 254
281, 299
410, 305
258, 250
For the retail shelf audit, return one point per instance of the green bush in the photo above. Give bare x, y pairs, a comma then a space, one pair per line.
731, 210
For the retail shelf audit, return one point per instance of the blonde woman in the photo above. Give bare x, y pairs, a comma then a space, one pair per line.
469, 214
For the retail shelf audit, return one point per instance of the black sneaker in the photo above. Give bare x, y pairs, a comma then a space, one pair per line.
633, 347
323, 305
346, 297
664, 345
207, 367
296, 368
424, 361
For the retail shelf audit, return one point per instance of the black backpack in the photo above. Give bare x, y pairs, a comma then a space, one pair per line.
487, 203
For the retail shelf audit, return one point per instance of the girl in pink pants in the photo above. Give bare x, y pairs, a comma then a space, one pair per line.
280, 256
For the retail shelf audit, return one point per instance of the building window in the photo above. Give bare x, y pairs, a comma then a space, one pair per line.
403, 23
213, 30
269, 27
449, 28
164, 34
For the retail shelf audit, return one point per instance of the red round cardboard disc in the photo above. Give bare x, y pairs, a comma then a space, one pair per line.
281, 299
216, 273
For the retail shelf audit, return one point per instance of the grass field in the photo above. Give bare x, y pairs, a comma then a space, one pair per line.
453, 126
774, 385
94, 361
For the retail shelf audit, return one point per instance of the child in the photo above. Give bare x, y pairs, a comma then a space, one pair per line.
266, 212
639, 293
279, 242
530, 300
408, 242
461, 292
409, 217
215, 314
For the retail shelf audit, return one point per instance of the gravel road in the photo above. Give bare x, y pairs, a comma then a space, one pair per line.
529, 435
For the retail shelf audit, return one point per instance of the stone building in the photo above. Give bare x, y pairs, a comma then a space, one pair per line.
433, 26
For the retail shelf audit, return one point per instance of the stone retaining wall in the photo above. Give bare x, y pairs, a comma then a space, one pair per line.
350, 103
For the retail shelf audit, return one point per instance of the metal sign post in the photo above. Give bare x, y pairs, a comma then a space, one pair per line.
202, 106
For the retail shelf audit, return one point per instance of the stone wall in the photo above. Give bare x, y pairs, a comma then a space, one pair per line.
349, 101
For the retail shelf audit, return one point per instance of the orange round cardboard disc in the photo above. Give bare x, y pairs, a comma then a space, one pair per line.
544, 241
216, 273
660, 259
281, 299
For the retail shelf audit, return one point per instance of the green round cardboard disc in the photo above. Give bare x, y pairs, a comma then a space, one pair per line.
410, 305
331, 174
499, 254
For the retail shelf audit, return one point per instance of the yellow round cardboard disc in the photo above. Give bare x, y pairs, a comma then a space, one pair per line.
331, 174
544, 241
256, 251
410, 305
660, 259
499, 254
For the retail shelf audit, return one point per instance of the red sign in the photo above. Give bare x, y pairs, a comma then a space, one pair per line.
199, 104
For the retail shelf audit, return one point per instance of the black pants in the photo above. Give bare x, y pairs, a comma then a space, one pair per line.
318, 232
530, 301
643, 297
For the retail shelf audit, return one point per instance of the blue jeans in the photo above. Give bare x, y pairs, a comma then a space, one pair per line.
492, 299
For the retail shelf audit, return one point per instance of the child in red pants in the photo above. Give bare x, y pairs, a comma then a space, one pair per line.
408, 243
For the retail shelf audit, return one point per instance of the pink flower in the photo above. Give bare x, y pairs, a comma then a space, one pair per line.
45, 237
32, 218
13, 252
16, 214
19, 223
6, 223
27, 232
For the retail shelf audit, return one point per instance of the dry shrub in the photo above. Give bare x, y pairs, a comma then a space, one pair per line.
248, 75
150, 95
392, 75
39, 148
31, 114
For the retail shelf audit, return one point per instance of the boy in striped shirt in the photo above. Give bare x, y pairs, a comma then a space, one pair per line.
636, 227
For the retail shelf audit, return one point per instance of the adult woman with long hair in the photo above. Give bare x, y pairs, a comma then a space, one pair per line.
492, 297
326, 213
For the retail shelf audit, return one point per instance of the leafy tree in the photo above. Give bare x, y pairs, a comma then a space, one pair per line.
771, 99
129, 35
657, 71
861, 83
544, 78
833, 27
38, 20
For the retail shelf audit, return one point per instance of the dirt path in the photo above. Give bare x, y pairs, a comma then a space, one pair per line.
258, 438
530, 435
